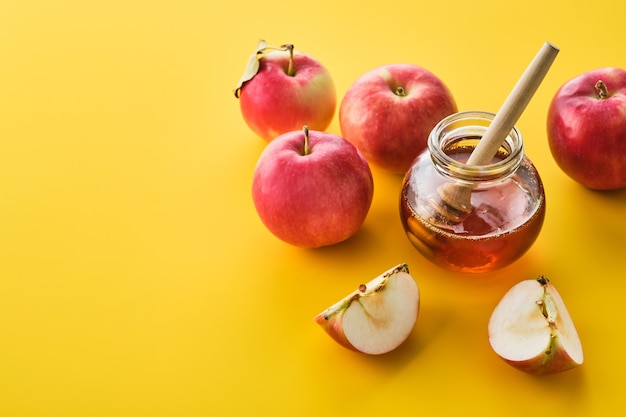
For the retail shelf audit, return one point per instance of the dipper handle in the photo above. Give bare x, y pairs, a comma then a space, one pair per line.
513, 106
456, 198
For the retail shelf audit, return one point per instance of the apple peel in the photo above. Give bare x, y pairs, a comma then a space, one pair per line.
282, 90
377, 317
532, 330
586, 127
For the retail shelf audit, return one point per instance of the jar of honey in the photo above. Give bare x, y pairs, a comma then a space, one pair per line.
507, 200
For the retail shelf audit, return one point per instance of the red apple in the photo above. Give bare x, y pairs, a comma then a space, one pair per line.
389, 112
282, 90
531, 329
312, 188
587, 128
377, 317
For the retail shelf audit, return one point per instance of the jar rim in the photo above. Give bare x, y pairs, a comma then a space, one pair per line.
472, 124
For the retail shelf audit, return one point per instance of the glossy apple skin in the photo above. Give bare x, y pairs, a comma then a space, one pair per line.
312, 200
273, 102
391, 129
587, 135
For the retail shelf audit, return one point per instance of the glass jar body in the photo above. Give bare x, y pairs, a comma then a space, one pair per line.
507, 199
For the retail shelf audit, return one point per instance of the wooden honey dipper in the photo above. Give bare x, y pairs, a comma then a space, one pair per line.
454, 203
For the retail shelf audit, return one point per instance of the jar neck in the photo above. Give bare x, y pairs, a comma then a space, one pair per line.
455, 137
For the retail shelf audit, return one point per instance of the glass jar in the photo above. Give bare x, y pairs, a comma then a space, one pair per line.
507, 200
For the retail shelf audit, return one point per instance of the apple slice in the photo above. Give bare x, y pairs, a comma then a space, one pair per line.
532, 330
378, 316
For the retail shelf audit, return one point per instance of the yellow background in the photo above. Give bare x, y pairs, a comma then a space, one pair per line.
137, 280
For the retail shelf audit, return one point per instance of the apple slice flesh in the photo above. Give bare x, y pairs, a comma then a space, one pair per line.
378, 316
532, 330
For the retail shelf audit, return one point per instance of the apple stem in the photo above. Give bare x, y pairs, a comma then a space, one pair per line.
286, 47
289, 47
601, 91
400, 92
307, 145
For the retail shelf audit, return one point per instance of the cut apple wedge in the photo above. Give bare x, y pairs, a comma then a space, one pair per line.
377, 317
531, 329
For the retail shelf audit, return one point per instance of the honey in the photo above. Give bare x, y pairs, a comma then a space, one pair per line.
507, 199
